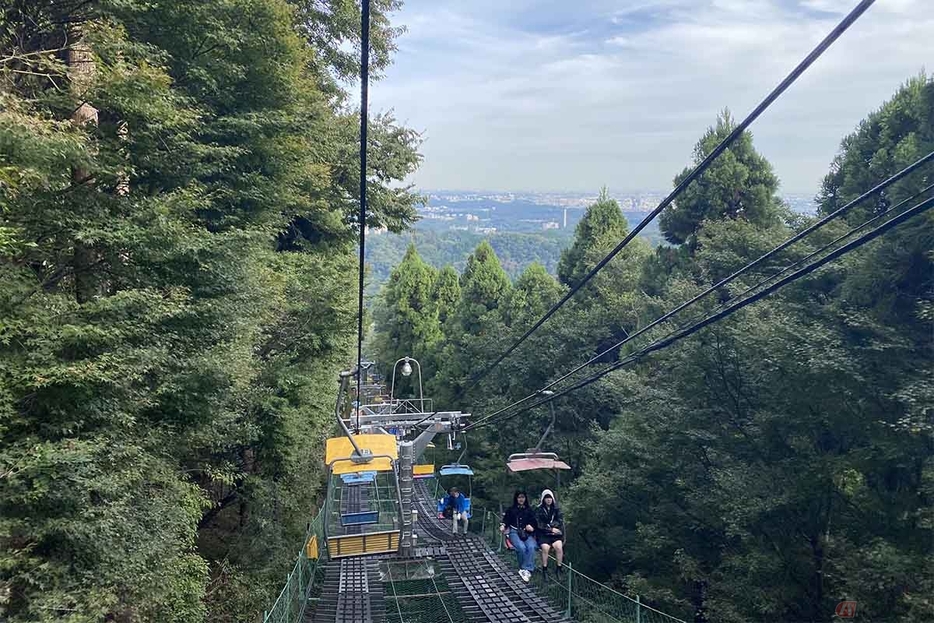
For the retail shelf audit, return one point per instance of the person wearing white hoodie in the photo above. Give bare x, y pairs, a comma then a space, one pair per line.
550, 530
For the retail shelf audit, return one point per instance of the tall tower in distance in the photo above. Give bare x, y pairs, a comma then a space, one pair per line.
565, 218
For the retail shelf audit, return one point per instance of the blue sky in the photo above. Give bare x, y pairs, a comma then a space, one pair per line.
577, 94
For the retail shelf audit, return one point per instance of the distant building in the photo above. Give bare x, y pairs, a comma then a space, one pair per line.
565, 218
552, 224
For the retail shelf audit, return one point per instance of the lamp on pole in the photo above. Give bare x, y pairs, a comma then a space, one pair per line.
406, 372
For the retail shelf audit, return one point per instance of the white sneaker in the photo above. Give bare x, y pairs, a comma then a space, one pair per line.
525, 575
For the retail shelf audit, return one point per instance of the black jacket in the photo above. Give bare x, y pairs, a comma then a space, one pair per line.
546, 519
519, 517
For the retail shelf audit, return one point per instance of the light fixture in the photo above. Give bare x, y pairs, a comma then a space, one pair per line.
406, 369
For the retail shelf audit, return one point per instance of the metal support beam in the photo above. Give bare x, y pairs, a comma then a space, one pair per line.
407, 497
358, 456
421, 442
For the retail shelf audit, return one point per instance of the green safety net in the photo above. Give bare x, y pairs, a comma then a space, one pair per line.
421, 601
303, 584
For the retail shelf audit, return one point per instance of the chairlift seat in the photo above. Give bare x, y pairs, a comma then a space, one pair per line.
358, 478
455, 470
528, 461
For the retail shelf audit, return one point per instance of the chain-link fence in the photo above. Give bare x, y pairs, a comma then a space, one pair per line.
303, 583
577, 596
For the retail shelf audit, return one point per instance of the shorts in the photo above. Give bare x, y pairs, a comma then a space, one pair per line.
549, 539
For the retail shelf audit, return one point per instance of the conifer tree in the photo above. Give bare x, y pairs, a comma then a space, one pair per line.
447, 292
408, 323
601, 228
739, 184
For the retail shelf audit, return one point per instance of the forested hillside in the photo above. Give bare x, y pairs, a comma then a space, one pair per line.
764, 469
515, 250
177, 192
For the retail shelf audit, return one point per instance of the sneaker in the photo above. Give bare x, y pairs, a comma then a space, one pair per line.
525, 575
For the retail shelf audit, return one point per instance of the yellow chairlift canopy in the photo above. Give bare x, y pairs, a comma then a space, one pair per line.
382, 447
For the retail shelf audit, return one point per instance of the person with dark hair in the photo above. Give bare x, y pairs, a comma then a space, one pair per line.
519, 525
550, 530
457, 508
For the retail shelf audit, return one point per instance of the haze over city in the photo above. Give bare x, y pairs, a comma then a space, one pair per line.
551, 95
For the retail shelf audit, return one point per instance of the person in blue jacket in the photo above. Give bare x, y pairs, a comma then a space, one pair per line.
458, 506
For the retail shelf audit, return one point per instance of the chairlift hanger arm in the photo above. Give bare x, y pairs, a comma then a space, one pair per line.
359, 456
424, 438
463, 452
551, 425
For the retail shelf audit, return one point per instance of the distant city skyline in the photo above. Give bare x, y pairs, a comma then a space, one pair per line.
547, 95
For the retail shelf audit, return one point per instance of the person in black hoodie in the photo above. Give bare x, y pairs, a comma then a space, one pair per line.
519, 524
549, 523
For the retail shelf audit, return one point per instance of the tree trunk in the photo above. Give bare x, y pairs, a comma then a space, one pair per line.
82, 72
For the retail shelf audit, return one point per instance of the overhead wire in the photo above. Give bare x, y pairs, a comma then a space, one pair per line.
730, 309
913, 167
364, 95
844, 24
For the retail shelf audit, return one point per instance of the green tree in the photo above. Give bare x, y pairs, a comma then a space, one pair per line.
896, 279
601, 228
473, 327
408, 322
484, 288
533, 293
781, 458
176, 293
446, 293
739, 184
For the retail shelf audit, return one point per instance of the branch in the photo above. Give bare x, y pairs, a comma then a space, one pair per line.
223, 503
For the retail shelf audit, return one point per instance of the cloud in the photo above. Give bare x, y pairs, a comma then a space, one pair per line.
558, 95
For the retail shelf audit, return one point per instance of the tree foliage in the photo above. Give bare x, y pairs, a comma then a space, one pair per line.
739, 184
177, 183
409, 316
601, 228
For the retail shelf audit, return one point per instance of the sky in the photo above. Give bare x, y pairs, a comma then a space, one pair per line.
572, 95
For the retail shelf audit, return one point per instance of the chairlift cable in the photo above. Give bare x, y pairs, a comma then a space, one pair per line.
364, 94
680, 334
693, 175
784, 245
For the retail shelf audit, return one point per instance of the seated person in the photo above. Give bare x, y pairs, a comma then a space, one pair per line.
456, 507
519, 524
550, 530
